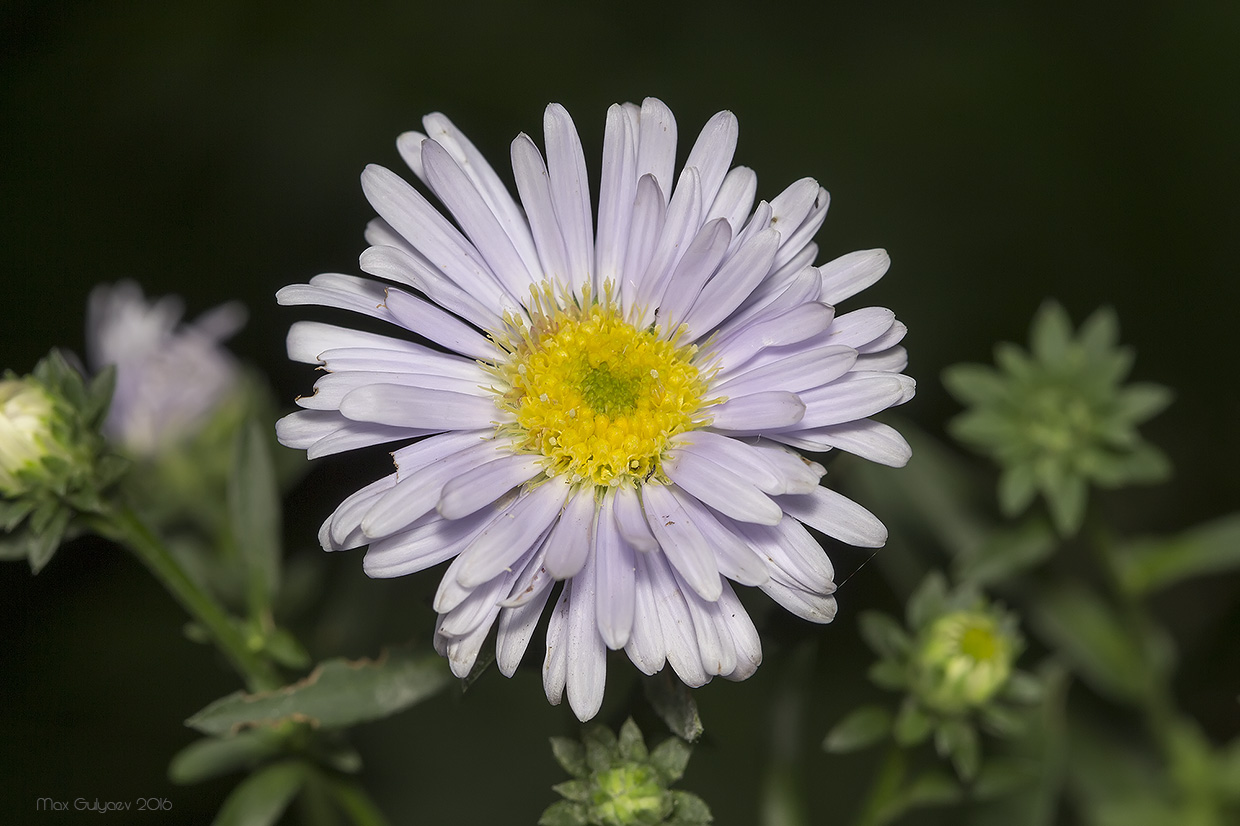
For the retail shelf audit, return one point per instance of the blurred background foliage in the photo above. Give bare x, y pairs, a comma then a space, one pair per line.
1002, 152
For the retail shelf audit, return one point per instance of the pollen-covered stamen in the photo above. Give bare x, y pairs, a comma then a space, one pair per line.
595, 395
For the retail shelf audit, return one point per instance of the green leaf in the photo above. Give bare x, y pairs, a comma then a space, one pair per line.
45, 542
577, 790
912, 724
1007, 553
632, 746
564, 813
863, 727
959, 741
1143, 400
883, 634
261, 799
212, 756
1017, 489
337, 693
673, 701
1001, 776
889, 674
571, 756
12, 512
1051, 333
928, 601
1099, 334
1066, 496
1083, 629
974, 384
1150, 564
670, 758
285, 649
602, 748
254, 513
932, 788
689, 810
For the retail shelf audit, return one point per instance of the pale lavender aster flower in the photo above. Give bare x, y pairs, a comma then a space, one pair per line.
170, 376
611, 407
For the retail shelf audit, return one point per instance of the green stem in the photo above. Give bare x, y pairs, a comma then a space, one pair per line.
355, 802
877, 808
124, 527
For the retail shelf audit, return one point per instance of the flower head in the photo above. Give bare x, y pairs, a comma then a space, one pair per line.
170, 377
618, 782
53, 461
613, 408
956, 664
1061, 419
27, 438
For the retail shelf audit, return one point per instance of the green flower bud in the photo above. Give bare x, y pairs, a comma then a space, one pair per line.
964, 659
628, 795
27, 412
1059, 417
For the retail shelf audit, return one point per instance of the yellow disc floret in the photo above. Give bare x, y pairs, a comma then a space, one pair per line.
594, 394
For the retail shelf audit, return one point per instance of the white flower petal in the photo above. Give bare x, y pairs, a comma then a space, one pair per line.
571, 538
736, 559
837, 516
716, 485
444, 132
516, 629
432, 541
342, 530
324, 432
745, 640
631, 521
807, 605
656, 143
617, 189
587, 655
854, 396
801, 370
534, 187
712, 152
570, 193
869, 440
615, 577
681, 541
443, 328
693, 271
648, 217
405, 267
511, 533
850, 274
393, 404
646, 647
676, 624
483, 484
682, 221
404, 208
735, 281
555, 662
475, 216
860, 327
758, 412
734, 200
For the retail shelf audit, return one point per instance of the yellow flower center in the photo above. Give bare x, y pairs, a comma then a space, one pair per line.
594, 394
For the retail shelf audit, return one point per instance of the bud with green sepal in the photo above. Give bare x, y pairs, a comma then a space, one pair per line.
1059, 418
54, 465
618, 782
955, 663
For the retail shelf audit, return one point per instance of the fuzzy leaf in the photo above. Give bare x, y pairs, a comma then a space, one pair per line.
861, 728
689, 810
670, 758
632, 746
261, 799
932, 788
883, 634
564, 813
1005, 554
1151, 564
254, 513
337, 693
212, 756
912, 724
1093, 640
571, 756
927, 602
673, 701
958, 740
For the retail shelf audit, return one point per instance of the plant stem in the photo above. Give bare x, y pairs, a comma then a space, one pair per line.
877, 807
126, 528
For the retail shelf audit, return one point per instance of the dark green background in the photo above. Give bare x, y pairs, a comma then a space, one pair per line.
1002, 152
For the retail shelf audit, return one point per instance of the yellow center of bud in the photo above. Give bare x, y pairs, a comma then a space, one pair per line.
594, 394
